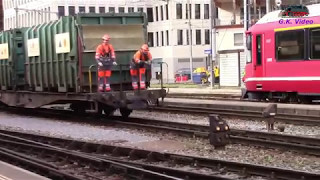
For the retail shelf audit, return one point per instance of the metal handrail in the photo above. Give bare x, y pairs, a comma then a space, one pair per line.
90, 77
120, 69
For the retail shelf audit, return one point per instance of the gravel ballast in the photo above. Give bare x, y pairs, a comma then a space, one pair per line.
139, 138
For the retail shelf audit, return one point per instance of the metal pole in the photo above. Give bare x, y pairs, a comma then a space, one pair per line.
245, 15
254, 11
213, 39
190, 39
249, 13
267, 6
245, 23
17, 13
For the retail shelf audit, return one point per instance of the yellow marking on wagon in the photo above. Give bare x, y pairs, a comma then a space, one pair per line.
297, 27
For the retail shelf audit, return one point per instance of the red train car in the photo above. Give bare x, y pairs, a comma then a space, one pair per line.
283, 58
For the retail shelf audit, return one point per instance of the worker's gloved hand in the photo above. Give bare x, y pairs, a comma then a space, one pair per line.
114, 63
148, 62
100, 64
138, 62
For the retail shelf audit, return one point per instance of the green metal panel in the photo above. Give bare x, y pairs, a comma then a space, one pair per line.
5, 64
54, 69
128, 32
50, 67
12, 68
18, 58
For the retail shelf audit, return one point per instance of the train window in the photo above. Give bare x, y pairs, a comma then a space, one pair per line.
258, 45
248, 44
290, 45
315, 44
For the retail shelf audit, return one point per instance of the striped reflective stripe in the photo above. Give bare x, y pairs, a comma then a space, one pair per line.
297, 27
4, 177
306, 78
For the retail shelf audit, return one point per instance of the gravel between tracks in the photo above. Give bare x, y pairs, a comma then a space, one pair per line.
187, 146
310, 131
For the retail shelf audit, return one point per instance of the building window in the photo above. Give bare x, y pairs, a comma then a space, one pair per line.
167, 32
150, 14
140, 9
206, 11
130, 9
262, 13
49, 16
198, 36
187, 33
112, 9
197, 11
150, 39
121, 9
290, 45
179, 11
157, 14
92, 9
207, 36
238, 39
157, 38
180, 37
189, 37
162, 38
315, 44
72, 10
167, 11
102, 9
188, 10
82, 9
61, 11
161, 13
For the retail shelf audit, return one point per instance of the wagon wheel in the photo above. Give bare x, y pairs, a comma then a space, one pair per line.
108, 111
78, 108
125, 112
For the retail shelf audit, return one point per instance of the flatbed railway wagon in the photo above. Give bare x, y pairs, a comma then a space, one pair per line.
53, 63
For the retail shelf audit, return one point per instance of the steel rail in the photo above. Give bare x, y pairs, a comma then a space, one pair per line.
102, 150
257, 115
223, 97
70, 162
306, 145
169, 173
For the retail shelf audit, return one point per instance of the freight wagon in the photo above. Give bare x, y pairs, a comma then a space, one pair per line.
54, 63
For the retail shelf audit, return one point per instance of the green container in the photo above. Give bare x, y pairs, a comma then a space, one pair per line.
12, 59
59, 54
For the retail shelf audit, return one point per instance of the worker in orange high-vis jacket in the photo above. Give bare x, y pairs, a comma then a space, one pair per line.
141, 60
105, 57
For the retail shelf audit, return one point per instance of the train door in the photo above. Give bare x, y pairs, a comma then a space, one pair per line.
257, 62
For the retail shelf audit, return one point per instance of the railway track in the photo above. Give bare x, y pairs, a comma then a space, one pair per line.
242, 113
300, 144
306, 145
64, 164
84, 152
224, 97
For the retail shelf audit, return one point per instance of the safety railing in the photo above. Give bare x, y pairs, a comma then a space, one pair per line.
121, 75
90, 77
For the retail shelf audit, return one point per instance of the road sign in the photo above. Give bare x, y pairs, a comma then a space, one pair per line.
207, 51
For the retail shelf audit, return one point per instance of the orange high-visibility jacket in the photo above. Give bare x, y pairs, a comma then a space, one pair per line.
104, 49
140, 56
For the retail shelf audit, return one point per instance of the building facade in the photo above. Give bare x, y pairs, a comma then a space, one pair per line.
168, 24
168, 28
